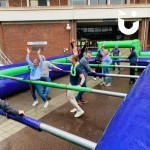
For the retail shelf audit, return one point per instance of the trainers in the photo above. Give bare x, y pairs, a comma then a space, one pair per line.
94, 78
35, 103
79, 113
46, 104
48, 97
103, 83
108, 84
84, 101
73, 110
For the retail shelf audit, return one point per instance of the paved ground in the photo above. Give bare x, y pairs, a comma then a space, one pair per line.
98, 112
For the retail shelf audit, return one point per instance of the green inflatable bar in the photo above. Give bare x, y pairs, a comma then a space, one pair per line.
15, 71
145, 54
122, 44
24, 69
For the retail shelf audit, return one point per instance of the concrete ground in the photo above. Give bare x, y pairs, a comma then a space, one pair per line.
98, 112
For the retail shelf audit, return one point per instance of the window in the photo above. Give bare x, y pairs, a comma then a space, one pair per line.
93, 2
98, 33
84, 29
117, 1
33, 2
3, 3
102, 1
98, 2
110, 28
90, 29
104, 29
97, 29
78, 2
42, 2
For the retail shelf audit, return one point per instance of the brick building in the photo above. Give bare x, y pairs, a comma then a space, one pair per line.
25, 21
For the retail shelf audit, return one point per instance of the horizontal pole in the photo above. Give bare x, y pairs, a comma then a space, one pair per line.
124, 66
39, 126
118, 75
115, 94
62, 86
120, 57
28, 121
104, 75
68, 137
98, 65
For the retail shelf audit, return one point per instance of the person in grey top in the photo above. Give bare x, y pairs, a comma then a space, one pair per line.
84, 63
9, 109
116, 52
45, 75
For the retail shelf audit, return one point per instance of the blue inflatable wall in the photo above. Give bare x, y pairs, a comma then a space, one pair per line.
129, 129
10, 87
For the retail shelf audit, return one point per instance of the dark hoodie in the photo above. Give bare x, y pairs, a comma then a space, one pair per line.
133, 56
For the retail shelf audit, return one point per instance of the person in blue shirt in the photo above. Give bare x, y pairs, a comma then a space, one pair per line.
133, 62
35, 74
76, 79
106, 60
116, 52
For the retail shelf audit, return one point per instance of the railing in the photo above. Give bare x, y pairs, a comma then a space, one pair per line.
4, 60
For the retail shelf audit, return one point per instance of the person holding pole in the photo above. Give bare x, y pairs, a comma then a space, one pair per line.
84, 63
9, 109
133, 62
106, 60
35, 75
116, 53
98, 60
76, 79
46, 65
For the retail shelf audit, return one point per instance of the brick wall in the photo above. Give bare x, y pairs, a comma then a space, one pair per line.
1, 39
139, 1
15, 38
132, 1
17, 3
56, 2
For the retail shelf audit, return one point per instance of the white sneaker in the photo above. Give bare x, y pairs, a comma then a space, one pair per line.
73, 110
108, 84
46, 104
35, 103
103, 83
94, 78
79, 113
